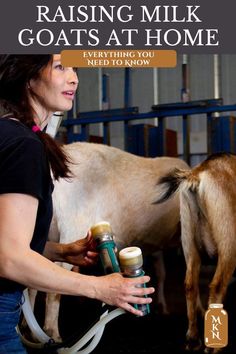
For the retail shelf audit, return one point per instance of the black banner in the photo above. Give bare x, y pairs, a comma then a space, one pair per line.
42, 26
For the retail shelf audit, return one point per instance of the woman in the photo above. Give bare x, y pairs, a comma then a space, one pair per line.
31, 89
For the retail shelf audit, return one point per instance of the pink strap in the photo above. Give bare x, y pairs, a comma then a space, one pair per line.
35, 128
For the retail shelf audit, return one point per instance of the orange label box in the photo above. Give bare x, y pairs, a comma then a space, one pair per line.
119, 58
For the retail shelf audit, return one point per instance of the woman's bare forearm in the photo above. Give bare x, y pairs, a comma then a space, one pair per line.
44, 275
47, 276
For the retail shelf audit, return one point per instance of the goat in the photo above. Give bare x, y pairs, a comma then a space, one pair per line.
121, 188
208, 221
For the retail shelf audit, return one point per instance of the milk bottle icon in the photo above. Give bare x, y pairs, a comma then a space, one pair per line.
216, 326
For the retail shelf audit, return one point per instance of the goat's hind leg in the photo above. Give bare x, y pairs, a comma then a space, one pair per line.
192, 299
218, 286
225, 267
190, 221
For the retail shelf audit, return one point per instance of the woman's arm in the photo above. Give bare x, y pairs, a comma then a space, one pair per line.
19, 263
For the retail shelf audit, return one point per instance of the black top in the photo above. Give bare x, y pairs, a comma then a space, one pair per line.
24, 168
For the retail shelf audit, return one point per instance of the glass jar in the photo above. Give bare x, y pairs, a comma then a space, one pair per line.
216, 326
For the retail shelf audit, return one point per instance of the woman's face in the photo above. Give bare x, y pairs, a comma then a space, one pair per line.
54, 89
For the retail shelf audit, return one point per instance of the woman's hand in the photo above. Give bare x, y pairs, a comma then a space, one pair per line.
114, 289
79, 253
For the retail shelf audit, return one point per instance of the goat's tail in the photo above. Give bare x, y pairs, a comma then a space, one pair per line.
175, 180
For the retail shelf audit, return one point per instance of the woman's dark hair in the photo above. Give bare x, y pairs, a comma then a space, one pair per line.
16, 71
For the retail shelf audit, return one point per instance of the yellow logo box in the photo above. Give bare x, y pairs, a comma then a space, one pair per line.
119, 58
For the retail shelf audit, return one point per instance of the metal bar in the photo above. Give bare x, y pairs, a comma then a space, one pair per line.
185, 96
127, 96
100, 98
202, 103
106, 106
107, 112
217, 78
127, 103
155, 90
105, 91
209, 133
106, 133
161, 137
85, 131
186, 139
70, 134
138, 116
126, 127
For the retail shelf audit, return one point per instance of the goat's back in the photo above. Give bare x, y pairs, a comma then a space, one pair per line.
113, 185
